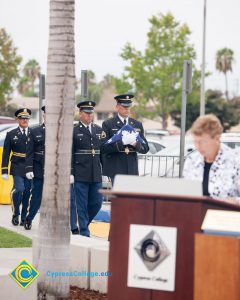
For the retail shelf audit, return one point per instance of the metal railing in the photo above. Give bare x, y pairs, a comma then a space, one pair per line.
153, 166
158, 165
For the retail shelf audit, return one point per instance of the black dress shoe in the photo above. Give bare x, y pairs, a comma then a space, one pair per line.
27, 225
75, 231
22, 223
15, 220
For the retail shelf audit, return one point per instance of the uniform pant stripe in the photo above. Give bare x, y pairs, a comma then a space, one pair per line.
29, 203
12, 203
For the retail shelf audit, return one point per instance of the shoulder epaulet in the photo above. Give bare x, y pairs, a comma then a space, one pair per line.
97, 126
32, 129
12, 130
110, 119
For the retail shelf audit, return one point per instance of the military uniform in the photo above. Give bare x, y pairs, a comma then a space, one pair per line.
35, 154
86, 164
119, 158
15, 142
35, 151
87, 171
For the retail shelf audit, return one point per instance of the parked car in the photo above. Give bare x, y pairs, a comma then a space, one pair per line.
154, 146
5, 186
3, 134
166, 162
7, 126
160, 163
231, 139
5, 120
156, 133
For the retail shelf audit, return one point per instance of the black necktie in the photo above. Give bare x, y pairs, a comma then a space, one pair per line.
88, 128
24, 132
125, 122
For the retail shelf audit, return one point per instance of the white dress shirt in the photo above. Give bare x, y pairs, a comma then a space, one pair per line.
122, 119
26, 130
89, 126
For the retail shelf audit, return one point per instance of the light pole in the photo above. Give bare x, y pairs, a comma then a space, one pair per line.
41, 95
202, 98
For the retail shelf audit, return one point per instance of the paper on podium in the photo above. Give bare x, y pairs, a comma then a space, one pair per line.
222, 222
157, 185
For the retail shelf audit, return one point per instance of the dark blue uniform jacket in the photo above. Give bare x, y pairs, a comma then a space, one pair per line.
16, 142
86, 162
119, 158
35, 152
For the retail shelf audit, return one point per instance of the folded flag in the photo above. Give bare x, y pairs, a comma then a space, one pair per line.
126, 129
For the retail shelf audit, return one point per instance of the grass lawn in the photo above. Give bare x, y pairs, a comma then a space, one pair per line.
10, 239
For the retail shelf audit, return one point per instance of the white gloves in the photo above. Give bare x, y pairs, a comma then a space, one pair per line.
5, 176
71, 179
30, 175
129, 138
135, 134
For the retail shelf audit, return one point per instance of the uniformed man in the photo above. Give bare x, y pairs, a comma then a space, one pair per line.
120, 157
86, 168
16, 141
35, 154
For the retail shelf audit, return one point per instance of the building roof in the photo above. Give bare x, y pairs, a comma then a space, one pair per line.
107, 102
28, 102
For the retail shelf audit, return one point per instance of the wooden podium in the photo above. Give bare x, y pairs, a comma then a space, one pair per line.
217, 267
184, 213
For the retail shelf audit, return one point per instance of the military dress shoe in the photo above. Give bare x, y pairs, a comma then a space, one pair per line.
27, 225
75, 231
15, 220
22, 223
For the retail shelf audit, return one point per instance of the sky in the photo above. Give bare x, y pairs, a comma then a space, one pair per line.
103, 27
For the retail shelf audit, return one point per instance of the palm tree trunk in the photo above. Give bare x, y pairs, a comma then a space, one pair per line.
226, 82
51, 251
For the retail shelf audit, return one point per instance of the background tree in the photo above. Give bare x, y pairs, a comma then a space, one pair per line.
26, 85
9, 63
227, 111
236, 101
156, 74
94, 88
108, 81
52, 252
23, 86
224, 60
122, 86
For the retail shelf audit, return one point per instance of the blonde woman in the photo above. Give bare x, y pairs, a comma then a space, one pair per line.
214, 164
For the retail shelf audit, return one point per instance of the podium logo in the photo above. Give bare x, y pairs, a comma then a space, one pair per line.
152, 250
24, 274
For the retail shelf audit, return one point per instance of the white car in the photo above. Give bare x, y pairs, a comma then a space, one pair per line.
154, 146
7, 126
156, 133
232, 140
4, 132
166, 162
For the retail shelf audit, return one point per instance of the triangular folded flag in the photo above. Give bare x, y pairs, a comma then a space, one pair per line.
126, 129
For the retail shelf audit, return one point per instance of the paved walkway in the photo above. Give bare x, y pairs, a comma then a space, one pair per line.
6, 222
6, 217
